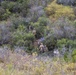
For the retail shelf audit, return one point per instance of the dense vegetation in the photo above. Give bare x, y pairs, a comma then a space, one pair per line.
25, 24
30, 65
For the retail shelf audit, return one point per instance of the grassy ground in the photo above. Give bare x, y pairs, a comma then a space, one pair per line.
17, 64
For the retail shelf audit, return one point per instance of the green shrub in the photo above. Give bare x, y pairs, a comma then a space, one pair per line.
66, 58
40, 27
20, 7
4, 4
74, 55
71, 43
43, 21
56, 11
30, 36
70, 51
50, 42
63, 28
19, 21
8, 5
67, 43
5, 34
74, 10
61, 43
22, 39
2, 11
6, 14
75, 23
17, 8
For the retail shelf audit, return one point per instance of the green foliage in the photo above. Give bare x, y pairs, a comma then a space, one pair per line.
75, 23
74, 55
24, 8
40, 26
18, 36
58, 33
30, 36
17, 7
6, 15
74, 10
8, 5
50, 42
56, 11
67, 43
66, 58
19, 21
71, 43
21, 38
43, 21
63, 28
61, 43
4, 4
2, 11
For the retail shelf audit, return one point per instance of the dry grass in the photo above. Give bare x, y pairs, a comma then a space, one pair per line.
34, 65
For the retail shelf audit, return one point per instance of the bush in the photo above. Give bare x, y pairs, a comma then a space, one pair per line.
17, 8
6, 14
19, 21
50, 42
70, 57
56, 11
61, 43
8, 5
66, 58
20, 7
40, 27
30, 36
24, 7
2, 11
67, 43
74, 10
74, 55
4, 4
67, 48
39, 31
5, 34
63, 28
22, 39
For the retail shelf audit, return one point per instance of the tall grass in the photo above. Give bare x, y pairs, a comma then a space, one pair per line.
36, 65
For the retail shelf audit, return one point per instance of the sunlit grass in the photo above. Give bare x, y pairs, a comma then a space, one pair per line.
56, 11
34, 65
